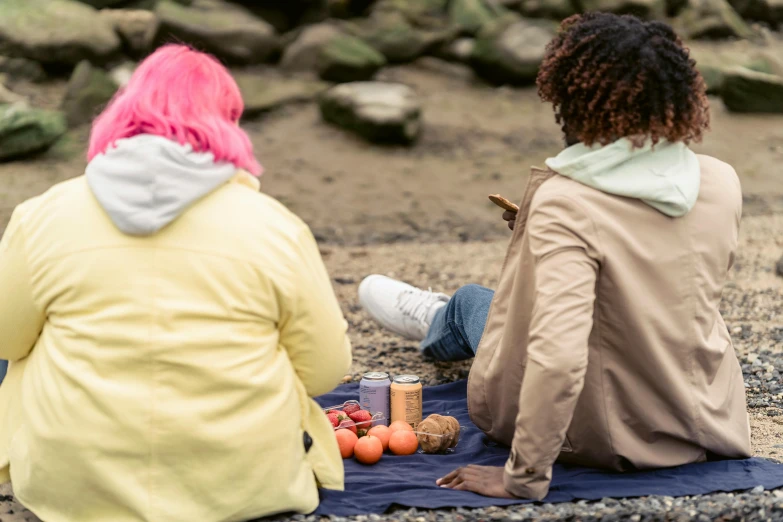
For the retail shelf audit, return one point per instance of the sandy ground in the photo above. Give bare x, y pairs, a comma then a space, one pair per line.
430, 202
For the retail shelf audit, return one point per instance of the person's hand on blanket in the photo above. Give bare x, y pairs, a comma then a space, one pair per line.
484, 480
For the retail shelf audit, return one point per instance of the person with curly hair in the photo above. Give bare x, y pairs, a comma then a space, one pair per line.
603, 345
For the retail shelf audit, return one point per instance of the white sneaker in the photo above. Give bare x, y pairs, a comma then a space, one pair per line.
404, 309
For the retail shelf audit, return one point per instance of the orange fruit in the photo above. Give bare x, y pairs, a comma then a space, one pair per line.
383, 433
346, 439
368, 450
400, 425
403, 442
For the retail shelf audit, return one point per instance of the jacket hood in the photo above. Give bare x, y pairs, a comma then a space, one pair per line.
667, 176
146, 182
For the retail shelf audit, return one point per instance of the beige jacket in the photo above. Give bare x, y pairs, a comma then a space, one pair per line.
604, 345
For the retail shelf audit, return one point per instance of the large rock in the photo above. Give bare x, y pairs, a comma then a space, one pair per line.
228, 31
264, 94
392, 35
510, 51
744, 90
377, 111
24, 131
88, 92
645, 9
21, 69
769, 11
472, 15
302, 54
136, 27
554, 9
55, 32
711, 19
421, 13
348, 59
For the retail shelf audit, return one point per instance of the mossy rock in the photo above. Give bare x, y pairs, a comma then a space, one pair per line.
228, 31
24, 131
263, 94
421, 13
391, 34
348, 59
712, 19
644, 9
472, 15
553, 9
510, 50
21, 69
55, 32
88, 92
744, 90
767, 11
379, 112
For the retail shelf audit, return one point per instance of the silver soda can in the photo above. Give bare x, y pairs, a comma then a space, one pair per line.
374, 394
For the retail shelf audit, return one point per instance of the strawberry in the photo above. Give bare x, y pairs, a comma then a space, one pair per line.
333, 418
351, 408
348, 425
362, 418
361, 433
341, 415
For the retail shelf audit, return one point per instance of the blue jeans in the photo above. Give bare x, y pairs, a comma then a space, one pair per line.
457, 328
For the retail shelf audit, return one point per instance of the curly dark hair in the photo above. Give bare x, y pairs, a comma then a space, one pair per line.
611, 76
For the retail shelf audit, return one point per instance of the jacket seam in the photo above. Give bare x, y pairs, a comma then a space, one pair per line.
598, 324
692, 357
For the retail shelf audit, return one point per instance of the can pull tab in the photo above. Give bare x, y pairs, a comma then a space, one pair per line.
308, 442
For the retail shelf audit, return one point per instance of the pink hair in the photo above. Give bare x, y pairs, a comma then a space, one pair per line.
183, 95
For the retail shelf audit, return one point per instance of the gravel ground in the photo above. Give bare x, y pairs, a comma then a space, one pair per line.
752, 307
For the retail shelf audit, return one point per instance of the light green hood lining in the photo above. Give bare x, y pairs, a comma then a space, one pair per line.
667, 176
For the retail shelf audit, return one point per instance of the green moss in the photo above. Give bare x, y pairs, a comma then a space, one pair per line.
24, 131
471, 15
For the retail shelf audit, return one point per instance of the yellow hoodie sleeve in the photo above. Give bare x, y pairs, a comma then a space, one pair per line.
21, 320
313, 331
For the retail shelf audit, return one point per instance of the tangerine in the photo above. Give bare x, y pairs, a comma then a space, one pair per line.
400, 425
383, 433
368, 450
403, 442
346, 440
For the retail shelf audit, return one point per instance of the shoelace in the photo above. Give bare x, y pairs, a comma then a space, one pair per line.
416, 303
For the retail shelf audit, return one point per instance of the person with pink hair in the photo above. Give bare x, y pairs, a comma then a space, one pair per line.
166, 323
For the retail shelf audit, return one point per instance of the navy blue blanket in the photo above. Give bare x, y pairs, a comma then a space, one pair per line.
410, 481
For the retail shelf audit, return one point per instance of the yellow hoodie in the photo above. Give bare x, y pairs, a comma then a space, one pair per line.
166, 376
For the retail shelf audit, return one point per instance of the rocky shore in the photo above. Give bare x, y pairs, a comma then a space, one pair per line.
315, 44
